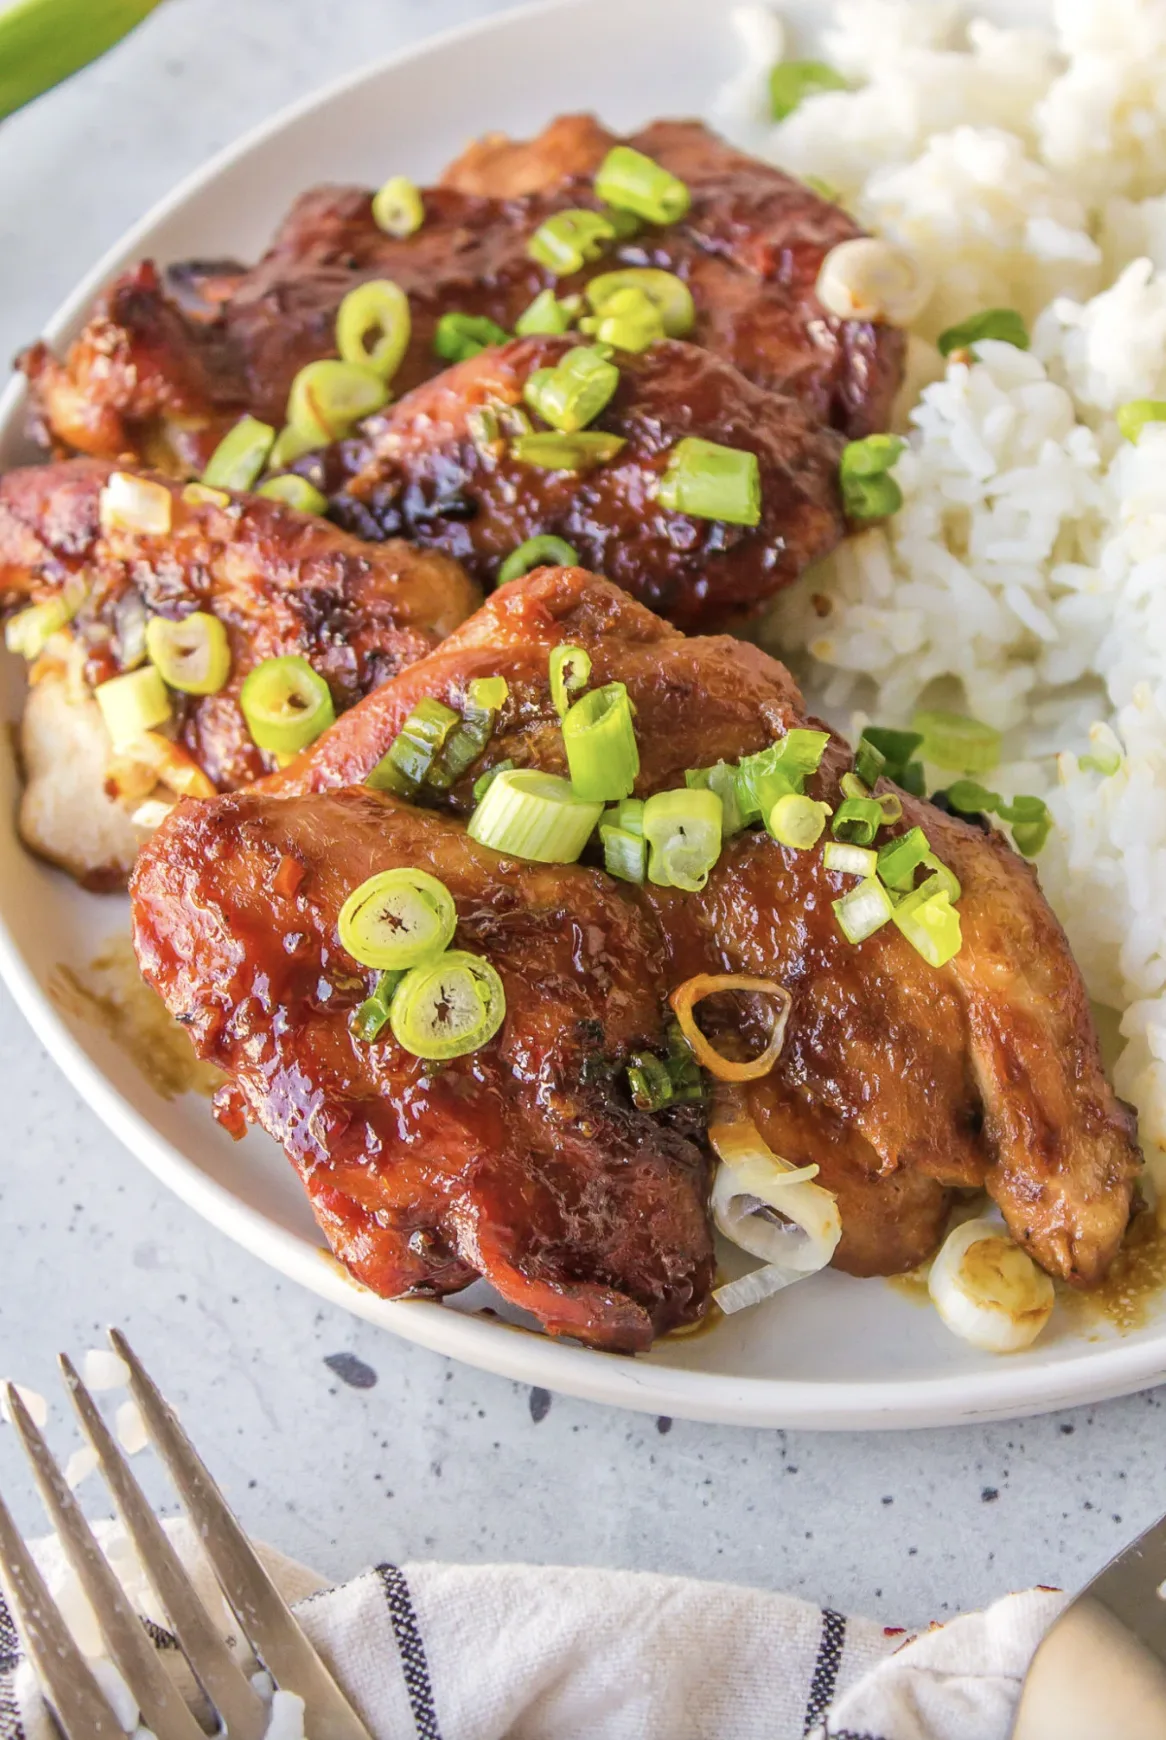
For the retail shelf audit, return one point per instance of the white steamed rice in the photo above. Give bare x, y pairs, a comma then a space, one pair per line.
1025, 577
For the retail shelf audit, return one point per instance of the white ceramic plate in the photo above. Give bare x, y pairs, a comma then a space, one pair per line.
832, 1351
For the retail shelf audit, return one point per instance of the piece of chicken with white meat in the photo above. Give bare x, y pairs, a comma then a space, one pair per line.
279, 582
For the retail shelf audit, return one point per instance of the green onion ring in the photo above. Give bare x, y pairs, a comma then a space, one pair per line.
396, 919
448, 1007
545, 550
286, 704
379, 309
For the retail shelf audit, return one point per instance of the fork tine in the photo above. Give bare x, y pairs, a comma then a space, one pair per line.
275, 1634
161, 1704
241, 1710
76, 1699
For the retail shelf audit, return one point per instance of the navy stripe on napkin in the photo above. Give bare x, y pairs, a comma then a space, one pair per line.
414, 1665
825, 1668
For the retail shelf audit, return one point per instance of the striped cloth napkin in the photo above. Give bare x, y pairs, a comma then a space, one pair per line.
518, 1652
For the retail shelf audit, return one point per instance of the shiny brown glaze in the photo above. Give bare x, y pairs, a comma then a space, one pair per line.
525, 1161
901, 1082
415, 472
168, 362
280, 581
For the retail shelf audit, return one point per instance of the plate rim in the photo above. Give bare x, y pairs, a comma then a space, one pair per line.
1100, 1372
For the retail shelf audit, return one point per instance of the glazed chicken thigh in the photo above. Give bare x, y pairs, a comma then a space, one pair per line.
524, 1161
169, 360
901, 1082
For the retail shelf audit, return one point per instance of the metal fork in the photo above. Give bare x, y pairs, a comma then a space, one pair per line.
81, 1708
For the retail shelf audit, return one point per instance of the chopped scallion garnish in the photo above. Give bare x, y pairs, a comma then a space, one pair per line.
447, 1007
1133, 416
572, 394
569, 668
954, 740
723, 779
374, 326
570, 240
1004, 324
899, 859
286, 704
485, 780
397, 208
783, 767
132, 704
625, 854
192, 654
670, 295
863, 910
897, 749
711, 482
553, 451
411, 756
857, 820
600, 741
327, 397
846, 860
797, 821
931, 926
461, 336
296, 491
868, 490
1029, 817
369, 1020
630, 181
240, 456
683, 831
29, 632
485, 696
792, 81
629, 321
533, 815
545, 550
547, 314
396, 919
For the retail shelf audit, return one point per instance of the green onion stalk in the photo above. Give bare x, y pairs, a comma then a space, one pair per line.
43, 42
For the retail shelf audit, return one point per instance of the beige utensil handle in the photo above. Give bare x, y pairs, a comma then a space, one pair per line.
1091, 1678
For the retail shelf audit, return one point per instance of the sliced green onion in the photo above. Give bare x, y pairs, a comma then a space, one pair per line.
527, 814
397, 208
632, 182
797, 821
132, 704
857, 820
630, 321
932, 927
649, 1082
374, 326
290, 445
824, 189
867, 491
1029, 817
784, 767
956, 741
461, 336
1133, 416
557, 452
847, 860
198, 495
485, 780
600, 741
625, 854
571, 395
407, 762
570, 668
869, 762
192, 655
240, 456
670, 294
1004, 324
29, 632
723, 779
468, 739
896, 748
286, 704
569, 240
296, 491
711, 482
448, 1007
852, 786
43, 42
863, 910
683, 831
327, 397
396, 919
368, 1021
535, 553
899, 859
628, 814
891, 805
792, 81
547, 314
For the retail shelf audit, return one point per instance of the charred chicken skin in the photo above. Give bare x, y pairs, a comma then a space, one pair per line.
901, 1082
525, 1161
420, 471
279, 581
170, 360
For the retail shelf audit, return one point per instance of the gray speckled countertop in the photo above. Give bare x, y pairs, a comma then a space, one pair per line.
336, 1442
